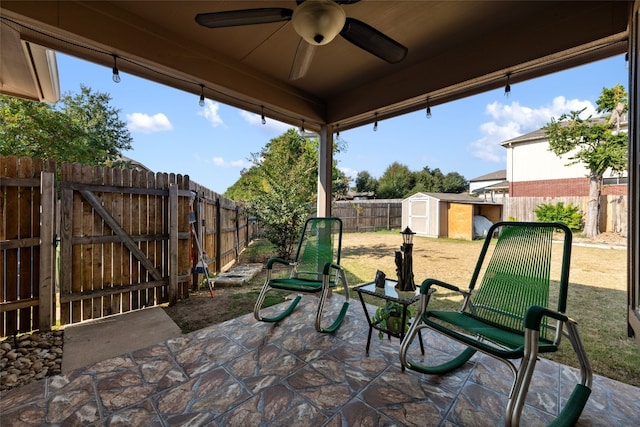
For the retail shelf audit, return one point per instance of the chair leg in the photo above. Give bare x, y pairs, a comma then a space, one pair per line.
323, 297
444, 368
581, 392
284, 313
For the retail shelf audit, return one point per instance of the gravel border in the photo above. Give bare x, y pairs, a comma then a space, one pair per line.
30, 357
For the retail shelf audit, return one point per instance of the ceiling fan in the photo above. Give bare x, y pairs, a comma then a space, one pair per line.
317, 22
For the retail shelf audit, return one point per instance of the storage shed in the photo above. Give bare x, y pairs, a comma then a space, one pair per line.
446, 215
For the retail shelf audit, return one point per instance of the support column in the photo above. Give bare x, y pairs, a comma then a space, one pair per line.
633, 224
325, 167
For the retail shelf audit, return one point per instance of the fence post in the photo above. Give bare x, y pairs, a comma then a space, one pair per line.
246, 223
46, 293
389, 216
218, 236
237, 233
173, 244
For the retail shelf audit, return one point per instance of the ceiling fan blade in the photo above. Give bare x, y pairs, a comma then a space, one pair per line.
373, 41
234, 18
302, 60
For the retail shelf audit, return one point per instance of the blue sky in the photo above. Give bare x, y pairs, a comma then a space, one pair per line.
212, 144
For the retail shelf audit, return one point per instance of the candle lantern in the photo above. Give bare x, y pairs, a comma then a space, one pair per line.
405, 264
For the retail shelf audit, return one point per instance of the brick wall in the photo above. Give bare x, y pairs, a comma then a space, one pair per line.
560, 188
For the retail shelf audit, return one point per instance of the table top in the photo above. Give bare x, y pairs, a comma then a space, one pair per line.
389, 292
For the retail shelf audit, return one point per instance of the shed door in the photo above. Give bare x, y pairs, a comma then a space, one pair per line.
419, 216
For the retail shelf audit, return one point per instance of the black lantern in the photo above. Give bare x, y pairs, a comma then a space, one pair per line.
407, 236
405, 264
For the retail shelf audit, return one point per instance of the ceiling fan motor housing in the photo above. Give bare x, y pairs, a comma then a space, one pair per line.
318, 21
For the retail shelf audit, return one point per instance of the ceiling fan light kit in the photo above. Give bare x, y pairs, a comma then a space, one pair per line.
318, 22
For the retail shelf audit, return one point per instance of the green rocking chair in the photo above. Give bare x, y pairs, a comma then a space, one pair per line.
315, 269
506, 312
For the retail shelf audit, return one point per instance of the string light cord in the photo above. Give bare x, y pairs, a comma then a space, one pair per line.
202, 87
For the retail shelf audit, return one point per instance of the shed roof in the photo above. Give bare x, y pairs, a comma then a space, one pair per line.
451, 197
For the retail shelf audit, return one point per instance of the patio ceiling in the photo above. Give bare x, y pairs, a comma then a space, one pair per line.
455, 49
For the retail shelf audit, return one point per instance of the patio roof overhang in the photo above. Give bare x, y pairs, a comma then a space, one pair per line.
455, 49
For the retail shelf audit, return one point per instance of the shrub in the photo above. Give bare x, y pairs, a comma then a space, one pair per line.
569, 215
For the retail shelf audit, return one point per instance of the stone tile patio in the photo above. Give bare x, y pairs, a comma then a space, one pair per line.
248, 373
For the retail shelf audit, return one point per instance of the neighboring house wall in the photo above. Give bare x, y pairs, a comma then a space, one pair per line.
534, 171
561, 188
474, 186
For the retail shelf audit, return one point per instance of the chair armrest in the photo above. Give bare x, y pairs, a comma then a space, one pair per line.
427, 283
329, 265
270, 262
534, 314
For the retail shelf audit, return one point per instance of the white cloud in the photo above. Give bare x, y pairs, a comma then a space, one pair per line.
210, 112
351, 173
512, 120
256, 120
221, 162
140, 122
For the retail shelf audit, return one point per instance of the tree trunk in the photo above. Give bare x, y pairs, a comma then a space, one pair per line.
591, 227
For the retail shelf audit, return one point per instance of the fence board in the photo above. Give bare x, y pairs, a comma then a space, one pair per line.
151, 229
116, 271
107, 249
97, 254
11, 255
46, 271
126, 225
25, 253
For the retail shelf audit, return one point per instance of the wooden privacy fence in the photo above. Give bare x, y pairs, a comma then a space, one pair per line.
613, 209
124, 240
26, 245
368, 215
222, 226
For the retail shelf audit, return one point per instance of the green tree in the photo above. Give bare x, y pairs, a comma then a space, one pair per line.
287, 168
396, 182
81, 128
340, 183
595, 143
435, 181
453, 182
281, 186
365, 182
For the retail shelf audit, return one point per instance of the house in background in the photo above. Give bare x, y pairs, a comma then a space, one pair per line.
536, 175
534, 171
492, 187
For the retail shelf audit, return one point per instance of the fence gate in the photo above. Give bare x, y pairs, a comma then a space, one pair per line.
121, 230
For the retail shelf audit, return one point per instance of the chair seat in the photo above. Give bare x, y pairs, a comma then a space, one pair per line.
296, 284
511, 344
